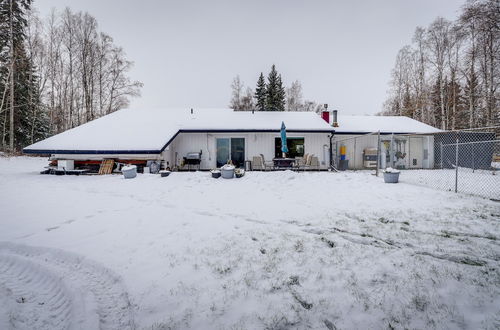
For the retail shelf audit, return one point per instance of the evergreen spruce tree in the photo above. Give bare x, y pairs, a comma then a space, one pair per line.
260, 93
30, 123
408, 105
435, 103
31, 119
280, 95
472, 93
455, 103
275, 93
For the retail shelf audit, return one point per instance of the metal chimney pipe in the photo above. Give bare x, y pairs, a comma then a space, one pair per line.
334, 118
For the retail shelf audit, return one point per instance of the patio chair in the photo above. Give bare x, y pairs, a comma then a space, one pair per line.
257, 163
267, 165
307, 162
314, 163
299, 162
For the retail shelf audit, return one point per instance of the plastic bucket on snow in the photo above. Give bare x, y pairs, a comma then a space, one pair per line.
164, 173
227, 171
391, 177
227, 174
129, 171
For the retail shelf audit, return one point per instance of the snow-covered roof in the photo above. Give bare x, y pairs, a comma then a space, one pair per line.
150, 131
358, 124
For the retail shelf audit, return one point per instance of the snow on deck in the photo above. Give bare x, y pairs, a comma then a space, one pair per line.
149, 130
269, 250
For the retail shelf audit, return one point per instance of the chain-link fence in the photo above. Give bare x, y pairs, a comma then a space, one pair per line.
465, 161
356, 152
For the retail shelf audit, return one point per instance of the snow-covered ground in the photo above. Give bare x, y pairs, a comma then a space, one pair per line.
270, 250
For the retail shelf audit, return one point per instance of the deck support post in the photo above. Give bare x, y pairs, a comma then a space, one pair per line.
456, 166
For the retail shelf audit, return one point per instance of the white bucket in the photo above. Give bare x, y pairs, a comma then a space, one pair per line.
129, 171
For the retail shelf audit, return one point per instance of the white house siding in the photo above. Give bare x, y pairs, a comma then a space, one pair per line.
255, 144
263, 143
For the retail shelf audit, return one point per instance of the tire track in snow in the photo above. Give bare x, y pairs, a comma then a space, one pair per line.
370, 240
53, 289
39, 298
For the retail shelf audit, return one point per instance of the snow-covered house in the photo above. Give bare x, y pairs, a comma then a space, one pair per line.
170, 135
219, 135
399, 136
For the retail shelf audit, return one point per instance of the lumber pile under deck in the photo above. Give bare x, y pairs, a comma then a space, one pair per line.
106, 166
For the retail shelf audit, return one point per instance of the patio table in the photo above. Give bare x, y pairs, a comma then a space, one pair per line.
283, 162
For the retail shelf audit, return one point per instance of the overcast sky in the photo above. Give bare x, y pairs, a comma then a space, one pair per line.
187, 52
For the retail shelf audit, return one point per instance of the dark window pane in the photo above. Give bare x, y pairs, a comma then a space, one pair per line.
295, 147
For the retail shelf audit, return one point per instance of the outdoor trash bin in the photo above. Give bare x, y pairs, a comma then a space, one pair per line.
391, 175
227, 171
154, 167
343, 164
129, 171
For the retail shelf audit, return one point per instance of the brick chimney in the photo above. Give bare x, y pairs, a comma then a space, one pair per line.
326, 116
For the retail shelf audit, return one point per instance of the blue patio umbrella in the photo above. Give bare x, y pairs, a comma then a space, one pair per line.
284, 147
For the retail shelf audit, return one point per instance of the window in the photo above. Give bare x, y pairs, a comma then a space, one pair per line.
295, 147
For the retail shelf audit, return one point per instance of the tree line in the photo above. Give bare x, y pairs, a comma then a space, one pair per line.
449, 76
56, 73
270, 95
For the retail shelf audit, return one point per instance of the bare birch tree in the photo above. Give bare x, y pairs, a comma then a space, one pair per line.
455, 71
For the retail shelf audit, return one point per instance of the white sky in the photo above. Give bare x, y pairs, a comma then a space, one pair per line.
187, 52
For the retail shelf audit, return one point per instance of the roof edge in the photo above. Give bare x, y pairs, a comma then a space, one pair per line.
250, 130
385, 133
90, 152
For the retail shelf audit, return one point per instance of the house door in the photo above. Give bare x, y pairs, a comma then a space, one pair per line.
230, 149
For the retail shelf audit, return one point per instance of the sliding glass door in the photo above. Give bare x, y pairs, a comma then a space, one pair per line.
238, 151
230, 149
223, 154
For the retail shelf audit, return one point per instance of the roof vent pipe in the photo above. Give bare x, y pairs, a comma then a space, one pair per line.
334, 118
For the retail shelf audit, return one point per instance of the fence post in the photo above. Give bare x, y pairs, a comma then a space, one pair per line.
391, 153
378, 153
337, 158
456, 167
408, 154
473, 161
354, 161
441, 154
